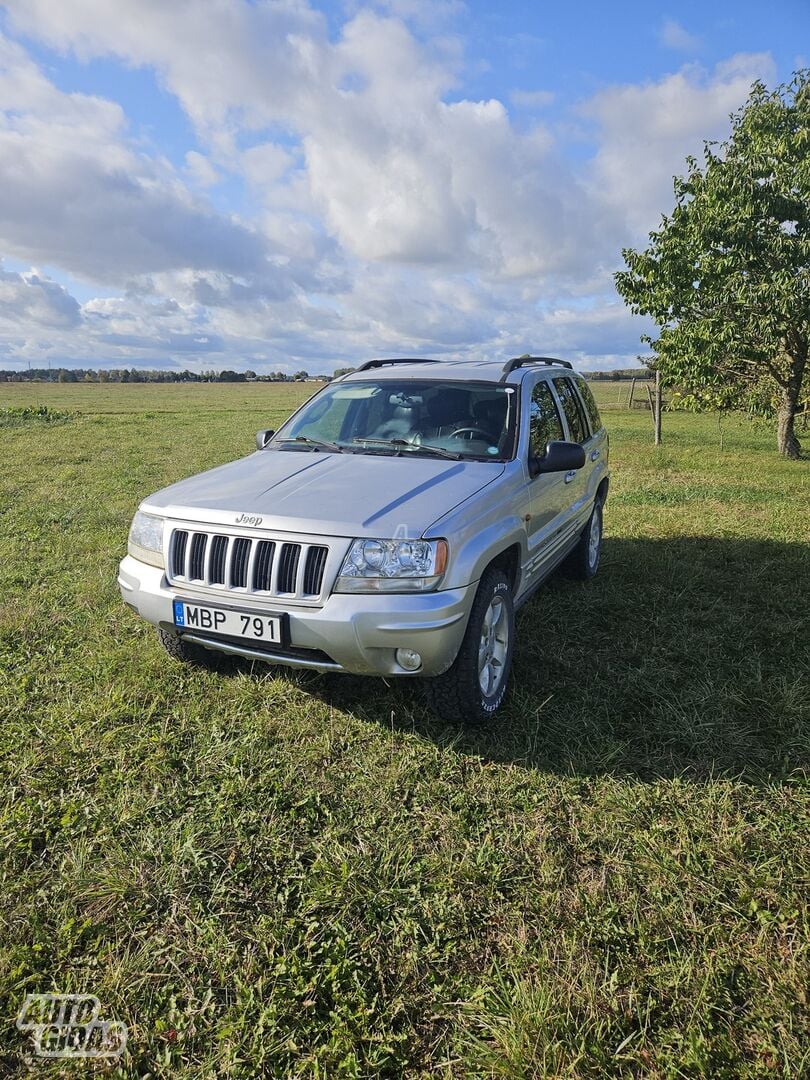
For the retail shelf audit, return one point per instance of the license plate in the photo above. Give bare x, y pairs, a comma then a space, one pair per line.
241, 624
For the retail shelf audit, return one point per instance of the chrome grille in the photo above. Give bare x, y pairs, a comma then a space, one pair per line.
247, 563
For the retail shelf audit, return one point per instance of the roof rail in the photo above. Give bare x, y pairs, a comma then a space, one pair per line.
519, 361
401, 360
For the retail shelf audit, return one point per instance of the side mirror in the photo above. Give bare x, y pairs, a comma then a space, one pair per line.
559, 457
263, 438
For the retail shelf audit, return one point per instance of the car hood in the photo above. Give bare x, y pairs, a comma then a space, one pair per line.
327, 494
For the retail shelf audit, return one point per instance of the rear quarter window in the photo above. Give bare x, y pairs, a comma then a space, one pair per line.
589, 402
573, 409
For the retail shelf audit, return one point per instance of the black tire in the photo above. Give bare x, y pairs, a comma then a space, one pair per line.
583, 562
458, 694
189, 653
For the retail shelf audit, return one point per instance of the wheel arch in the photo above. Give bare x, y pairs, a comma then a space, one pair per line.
508, 560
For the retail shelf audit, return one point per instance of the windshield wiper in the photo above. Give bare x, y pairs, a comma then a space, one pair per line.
316, 444
440, 451
454, 455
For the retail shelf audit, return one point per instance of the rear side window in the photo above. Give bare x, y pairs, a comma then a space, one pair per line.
572, 407
590, 406
544, 419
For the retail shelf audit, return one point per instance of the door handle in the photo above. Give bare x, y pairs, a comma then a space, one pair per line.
569, 476
595, 454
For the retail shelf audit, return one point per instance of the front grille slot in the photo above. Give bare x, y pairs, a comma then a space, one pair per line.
313, 571
288, 567
263, 569
269, 567
179, 553
216, 568
196, 559
239, 562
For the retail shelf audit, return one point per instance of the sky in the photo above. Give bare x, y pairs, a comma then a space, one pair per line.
281, 184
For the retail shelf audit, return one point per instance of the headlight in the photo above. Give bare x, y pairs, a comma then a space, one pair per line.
392, 566
146, 538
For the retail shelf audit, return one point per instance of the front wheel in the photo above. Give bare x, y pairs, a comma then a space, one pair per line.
473, 688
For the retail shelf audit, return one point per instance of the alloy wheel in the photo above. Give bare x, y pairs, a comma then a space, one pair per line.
493, 646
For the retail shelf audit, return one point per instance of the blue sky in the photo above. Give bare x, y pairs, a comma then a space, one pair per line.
224, 183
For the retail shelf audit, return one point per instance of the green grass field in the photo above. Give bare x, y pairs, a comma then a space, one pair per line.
276, 874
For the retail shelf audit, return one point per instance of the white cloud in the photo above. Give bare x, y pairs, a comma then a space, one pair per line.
387, 309
426, 15
384, 213
34, 299
396, 176
532, 99
264, 164
105, 219
673, 36
200, 169
77, 194
595, 329
224, 59
410, 178
646, 131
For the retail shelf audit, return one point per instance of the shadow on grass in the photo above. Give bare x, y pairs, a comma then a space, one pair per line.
686, 655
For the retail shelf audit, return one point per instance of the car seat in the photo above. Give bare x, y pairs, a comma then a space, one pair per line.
399, 425
490, 415
445, 411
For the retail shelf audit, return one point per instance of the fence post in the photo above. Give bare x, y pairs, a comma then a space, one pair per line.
658, 408
632, 391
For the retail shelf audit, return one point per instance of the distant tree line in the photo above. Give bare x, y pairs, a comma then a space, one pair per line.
615, 376
143, 375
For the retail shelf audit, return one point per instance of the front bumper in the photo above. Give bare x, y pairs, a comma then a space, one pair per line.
356, 633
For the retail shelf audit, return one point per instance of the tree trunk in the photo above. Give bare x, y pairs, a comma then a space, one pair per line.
789, 445
786, 439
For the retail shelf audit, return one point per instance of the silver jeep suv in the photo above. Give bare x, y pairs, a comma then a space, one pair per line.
390, 527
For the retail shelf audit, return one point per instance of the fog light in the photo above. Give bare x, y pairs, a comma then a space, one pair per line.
408, 659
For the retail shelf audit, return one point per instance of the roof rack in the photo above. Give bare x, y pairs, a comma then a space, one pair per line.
519, 361
401, 360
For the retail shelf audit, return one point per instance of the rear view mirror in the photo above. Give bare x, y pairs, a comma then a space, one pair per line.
263, 438
559, 457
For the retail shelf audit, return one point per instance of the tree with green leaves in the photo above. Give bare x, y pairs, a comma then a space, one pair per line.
726, 276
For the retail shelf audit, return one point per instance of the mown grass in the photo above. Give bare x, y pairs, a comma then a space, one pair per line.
268, 874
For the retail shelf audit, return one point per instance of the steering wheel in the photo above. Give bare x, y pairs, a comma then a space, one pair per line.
470, 433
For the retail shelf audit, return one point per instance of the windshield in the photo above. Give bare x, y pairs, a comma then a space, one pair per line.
444, 419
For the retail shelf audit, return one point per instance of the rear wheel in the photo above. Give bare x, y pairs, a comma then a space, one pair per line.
473, 688
189, 653
583, 562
